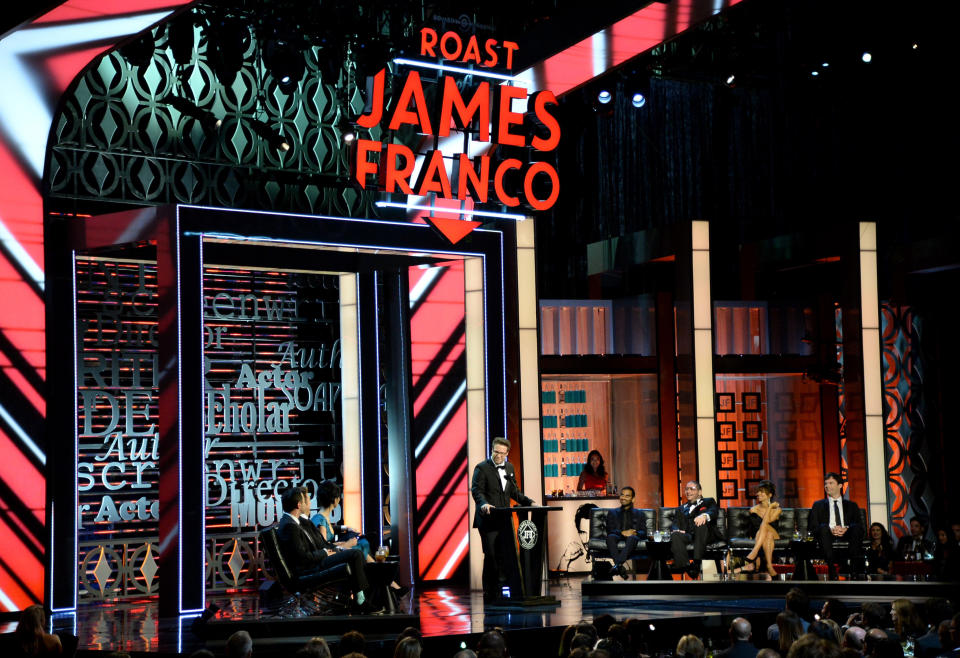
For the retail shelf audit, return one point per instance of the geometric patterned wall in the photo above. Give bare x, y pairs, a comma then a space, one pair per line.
117, 138
908, 452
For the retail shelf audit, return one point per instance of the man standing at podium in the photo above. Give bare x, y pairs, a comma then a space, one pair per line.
494, 484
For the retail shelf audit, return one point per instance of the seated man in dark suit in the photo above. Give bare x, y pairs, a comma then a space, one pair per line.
695, 522
307, 551
836, 518
916, 545
624, 524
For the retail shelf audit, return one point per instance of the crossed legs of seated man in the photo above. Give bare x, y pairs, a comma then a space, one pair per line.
678, 546
621, 555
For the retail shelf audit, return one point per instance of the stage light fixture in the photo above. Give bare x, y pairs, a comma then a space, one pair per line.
825, 65
638, 100
230, 38
814, 73
915, 45
138, 52
867, 57
604, 97
731, 80
207, 119
270, 135
347, 132
180, 37
285, 62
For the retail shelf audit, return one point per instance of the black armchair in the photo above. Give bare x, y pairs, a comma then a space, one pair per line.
313, 594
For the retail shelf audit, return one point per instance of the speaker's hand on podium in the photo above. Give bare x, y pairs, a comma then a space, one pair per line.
486, 508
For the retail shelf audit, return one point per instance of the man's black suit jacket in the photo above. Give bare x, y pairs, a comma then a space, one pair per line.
739, 649
615, 521
298, 550
820, 515
486, 490
683, 519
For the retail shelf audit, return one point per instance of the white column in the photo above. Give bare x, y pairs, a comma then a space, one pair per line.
703, 358
872, 376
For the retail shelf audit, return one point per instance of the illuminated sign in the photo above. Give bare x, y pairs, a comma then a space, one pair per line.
486, 110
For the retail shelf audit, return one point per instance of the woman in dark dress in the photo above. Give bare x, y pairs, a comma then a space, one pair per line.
764, 517
880, 553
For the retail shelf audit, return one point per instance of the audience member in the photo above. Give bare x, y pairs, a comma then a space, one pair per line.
906, 619
887, 648
740, 644
602, 623
202, 653
317, 647
790, 630
565, 640
690, 646
31, 636
611, 647
239, 645
798, 603
465, 653
834, 609
936, 610
873, 637
822, 630
352, 642
492, 644
589, 630
767, 653
581, 641
853, 639
810, 645
408, 647
837, 631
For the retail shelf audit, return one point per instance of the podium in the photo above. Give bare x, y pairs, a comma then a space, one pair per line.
531, 541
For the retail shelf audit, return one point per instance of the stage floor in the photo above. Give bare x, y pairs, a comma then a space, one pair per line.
448, 617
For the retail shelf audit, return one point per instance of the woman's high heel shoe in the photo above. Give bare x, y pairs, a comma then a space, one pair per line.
750, 562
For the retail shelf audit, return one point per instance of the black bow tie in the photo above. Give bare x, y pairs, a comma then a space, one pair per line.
501, 468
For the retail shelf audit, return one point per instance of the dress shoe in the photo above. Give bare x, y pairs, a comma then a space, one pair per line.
693, 571
401, 591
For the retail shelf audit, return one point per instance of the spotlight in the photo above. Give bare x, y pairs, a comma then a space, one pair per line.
285, 63
207, 119
347, 131
825, 65
271, 136
230, 38
731, 79
604, 97
915, 45
866, 57
138, 52
180, 37
814, 73
638, 100
652, 627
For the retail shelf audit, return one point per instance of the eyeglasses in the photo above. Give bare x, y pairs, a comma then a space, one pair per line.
689, 488
500, 452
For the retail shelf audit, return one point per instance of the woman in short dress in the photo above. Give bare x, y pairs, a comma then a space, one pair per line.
764, 520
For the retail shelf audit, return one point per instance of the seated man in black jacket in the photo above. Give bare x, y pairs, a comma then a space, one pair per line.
307, 551
624, 524
696, 523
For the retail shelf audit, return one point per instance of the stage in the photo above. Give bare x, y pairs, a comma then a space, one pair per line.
448, 617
